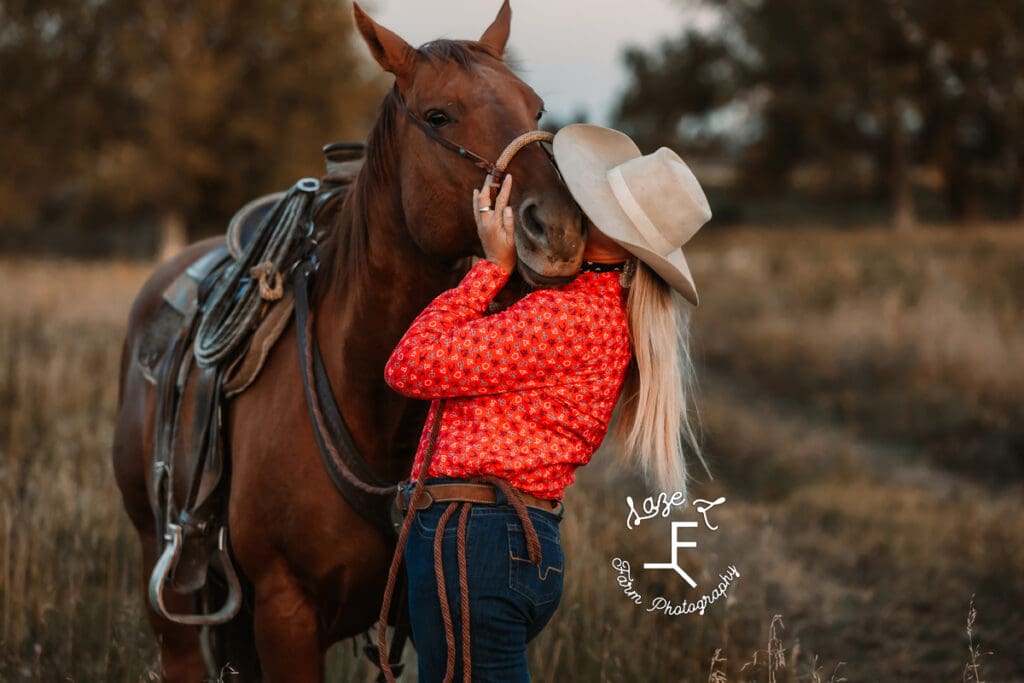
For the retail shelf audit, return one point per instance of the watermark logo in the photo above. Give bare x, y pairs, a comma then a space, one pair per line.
664, 505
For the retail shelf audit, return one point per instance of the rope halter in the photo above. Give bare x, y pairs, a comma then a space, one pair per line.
501, 165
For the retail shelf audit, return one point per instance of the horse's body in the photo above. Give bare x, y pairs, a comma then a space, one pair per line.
317, 569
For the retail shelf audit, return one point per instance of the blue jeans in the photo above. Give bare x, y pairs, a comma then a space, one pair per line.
510, 599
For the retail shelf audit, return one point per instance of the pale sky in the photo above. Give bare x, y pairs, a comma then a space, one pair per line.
568, 50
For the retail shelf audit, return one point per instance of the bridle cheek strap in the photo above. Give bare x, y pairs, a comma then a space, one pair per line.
477, 160
495, 171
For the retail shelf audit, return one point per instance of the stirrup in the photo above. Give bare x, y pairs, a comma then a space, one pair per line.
163, 568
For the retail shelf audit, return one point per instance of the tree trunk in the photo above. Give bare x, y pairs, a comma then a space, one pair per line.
974, 210
173, 234
1019, 188
902, 214
1020, 203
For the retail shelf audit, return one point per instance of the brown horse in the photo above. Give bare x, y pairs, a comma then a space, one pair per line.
316, 568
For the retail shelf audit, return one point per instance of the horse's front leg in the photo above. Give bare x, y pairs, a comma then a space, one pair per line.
181, 658
286, 628
285, 614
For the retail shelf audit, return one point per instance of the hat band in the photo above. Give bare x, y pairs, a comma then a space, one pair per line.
636, 213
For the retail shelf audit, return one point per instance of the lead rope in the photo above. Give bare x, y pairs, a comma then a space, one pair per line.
389, 589
460, 537
533, 549
516, 499
442, 594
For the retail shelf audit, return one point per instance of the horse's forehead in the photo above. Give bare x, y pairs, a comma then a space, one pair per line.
480, 82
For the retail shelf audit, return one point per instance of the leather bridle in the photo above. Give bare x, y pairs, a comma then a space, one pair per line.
495, 171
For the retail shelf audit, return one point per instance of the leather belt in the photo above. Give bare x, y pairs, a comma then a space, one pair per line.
473, 493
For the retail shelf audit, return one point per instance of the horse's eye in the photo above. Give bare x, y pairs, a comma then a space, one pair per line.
437, 119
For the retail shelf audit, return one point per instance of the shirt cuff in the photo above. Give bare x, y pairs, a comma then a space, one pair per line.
482, 283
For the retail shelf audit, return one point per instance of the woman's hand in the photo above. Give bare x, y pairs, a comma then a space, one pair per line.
496, 226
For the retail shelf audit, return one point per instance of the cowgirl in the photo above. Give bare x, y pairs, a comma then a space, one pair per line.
523, 397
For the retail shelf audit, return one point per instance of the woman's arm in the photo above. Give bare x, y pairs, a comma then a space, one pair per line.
453, 349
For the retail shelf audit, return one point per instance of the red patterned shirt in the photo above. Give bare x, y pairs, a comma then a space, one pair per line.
530, 389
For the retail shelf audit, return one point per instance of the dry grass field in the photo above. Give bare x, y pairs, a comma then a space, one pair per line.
862, 396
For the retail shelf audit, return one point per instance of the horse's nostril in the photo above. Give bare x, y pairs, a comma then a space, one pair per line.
531, 221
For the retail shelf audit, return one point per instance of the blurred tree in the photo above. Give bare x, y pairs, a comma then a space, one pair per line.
975, 123
180, 109
675, 89
839, 85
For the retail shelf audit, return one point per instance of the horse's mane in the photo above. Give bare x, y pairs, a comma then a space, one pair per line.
463, 52
348, 256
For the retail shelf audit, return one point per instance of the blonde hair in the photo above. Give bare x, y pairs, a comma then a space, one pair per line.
656, 416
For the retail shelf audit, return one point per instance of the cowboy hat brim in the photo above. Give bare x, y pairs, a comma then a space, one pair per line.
584, 154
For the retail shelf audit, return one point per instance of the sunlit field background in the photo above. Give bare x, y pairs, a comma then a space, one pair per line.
861, 394
859, 345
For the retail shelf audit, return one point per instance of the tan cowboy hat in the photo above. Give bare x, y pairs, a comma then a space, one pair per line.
650, 204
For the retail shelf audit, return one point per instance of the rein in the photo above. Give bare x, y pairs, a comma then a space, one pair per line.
495, 171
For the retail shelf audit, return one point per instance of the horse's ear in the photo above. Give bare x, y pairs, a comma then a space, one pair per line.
496, 34
389, 49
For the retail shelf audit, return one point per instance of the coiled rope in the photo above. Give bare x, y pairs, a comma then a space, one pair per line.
257, 276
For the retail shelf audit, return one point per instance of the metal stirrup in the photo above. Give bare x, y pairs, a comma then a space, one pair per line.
158, 578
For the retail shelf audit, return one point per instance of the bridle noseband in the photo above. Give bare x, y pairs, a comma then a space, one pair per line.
495, 171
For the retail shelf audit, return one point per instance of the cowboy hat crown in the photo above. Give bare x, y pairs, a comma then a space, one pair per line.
649, 204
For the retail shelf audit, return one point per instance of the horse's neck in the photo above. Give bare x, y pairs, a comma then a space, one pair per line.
362, 312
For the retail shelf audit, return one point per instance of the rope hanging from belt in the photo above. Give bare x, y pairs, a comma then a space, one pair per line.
532, 546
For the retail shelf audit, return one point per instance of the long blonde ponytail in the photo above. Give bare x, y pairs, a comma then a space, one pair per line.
656, 415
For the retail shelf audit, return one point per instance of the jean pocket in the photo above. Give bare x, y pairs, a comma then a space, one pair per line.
541, 584
425, 521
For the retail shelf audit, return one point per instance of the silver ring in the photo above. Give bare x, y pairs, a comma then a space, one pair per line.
484, 209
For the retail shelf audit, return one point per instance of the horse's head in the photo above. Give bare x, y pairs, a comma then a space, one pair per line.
464, 95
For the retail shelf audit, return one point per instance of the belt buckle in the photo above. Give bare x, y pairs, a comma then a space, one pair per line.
410, 489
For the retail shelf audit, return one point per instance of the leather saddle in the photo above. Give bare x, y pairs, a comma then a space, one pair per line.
189, 478
181, 299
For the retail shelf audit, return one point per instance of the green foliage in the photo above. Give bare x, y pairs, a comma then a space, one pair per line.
172, 106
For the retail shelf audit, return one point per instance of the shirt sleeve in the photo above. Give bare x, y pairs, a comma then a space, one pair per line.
453, 349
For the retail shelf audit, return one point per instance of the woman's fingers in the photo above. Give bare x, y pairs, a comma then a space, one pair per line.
508, 220
485, 191
496, 227
502, 201
479, 202
502, 209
